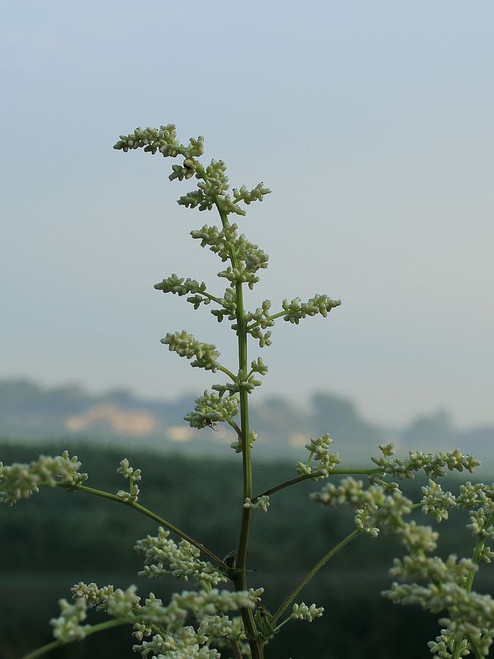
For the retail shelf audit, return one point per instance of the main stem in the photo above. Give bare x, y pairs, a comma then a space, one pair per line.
244, 427
240, 579
256, 646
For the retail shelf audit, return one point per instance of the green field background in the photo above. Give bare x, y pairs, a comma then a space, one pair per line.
56, 539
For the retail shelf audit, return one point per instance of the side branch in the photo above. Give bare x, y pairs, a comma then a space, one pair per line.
320, 564
318, 473
148, 513
89, 630
477, 553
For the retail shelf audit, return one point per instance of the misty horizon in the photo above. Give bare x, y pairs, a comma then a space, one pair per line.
188, 395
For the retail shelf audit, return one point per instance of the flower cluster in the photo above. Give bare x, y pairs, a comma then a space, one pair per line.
434, 583
248, 196
168, 626
303, 612
211, 409
244, 260
319, 452
133, 476
19, 481
96, 597
258, 322
185, 345
295, 310
162, 140
378, 507
243, 381
247, 257
248, 260
185, 644
179, 286
251, 438
212, 189
219, 241
213, 183
436, 501
228, 306
260, 503
162, 555
432, 465
444, 585
67, 627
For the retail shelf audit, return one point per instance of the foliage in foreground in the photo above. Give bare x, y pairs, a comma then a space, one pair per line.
224, 615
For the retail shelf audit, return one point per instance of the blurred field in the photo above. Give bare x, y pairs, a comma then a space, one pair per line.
57, 538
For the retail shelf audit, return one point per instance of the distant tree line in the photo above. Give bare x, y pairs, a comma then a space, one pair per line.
29, 410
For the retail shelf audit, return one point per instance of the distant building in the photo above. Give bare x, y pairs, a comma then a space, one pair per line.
106, 417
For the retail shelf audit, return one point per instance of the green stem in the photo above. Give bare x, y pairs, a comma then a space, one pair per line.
240, 579
469, 585
274, 316
235, 427
269, 317
148, 513
456, 651
236, 650
93, 629
286, 603
231, 375
305, 477
475, 646
476, 555
213, 298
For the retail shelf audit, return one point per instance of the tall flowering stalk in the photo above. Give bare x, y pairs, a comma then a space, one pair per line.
244, 260
208, 623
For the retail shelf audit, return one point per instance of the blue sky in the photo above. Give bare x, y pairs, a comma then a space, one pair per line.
372, 123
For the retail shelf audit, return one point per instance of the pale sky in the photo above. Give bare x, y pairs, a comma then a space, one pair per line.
372, 123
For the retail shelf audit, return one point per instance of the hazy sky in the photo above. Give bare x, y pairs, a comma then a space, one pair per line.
372, 123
